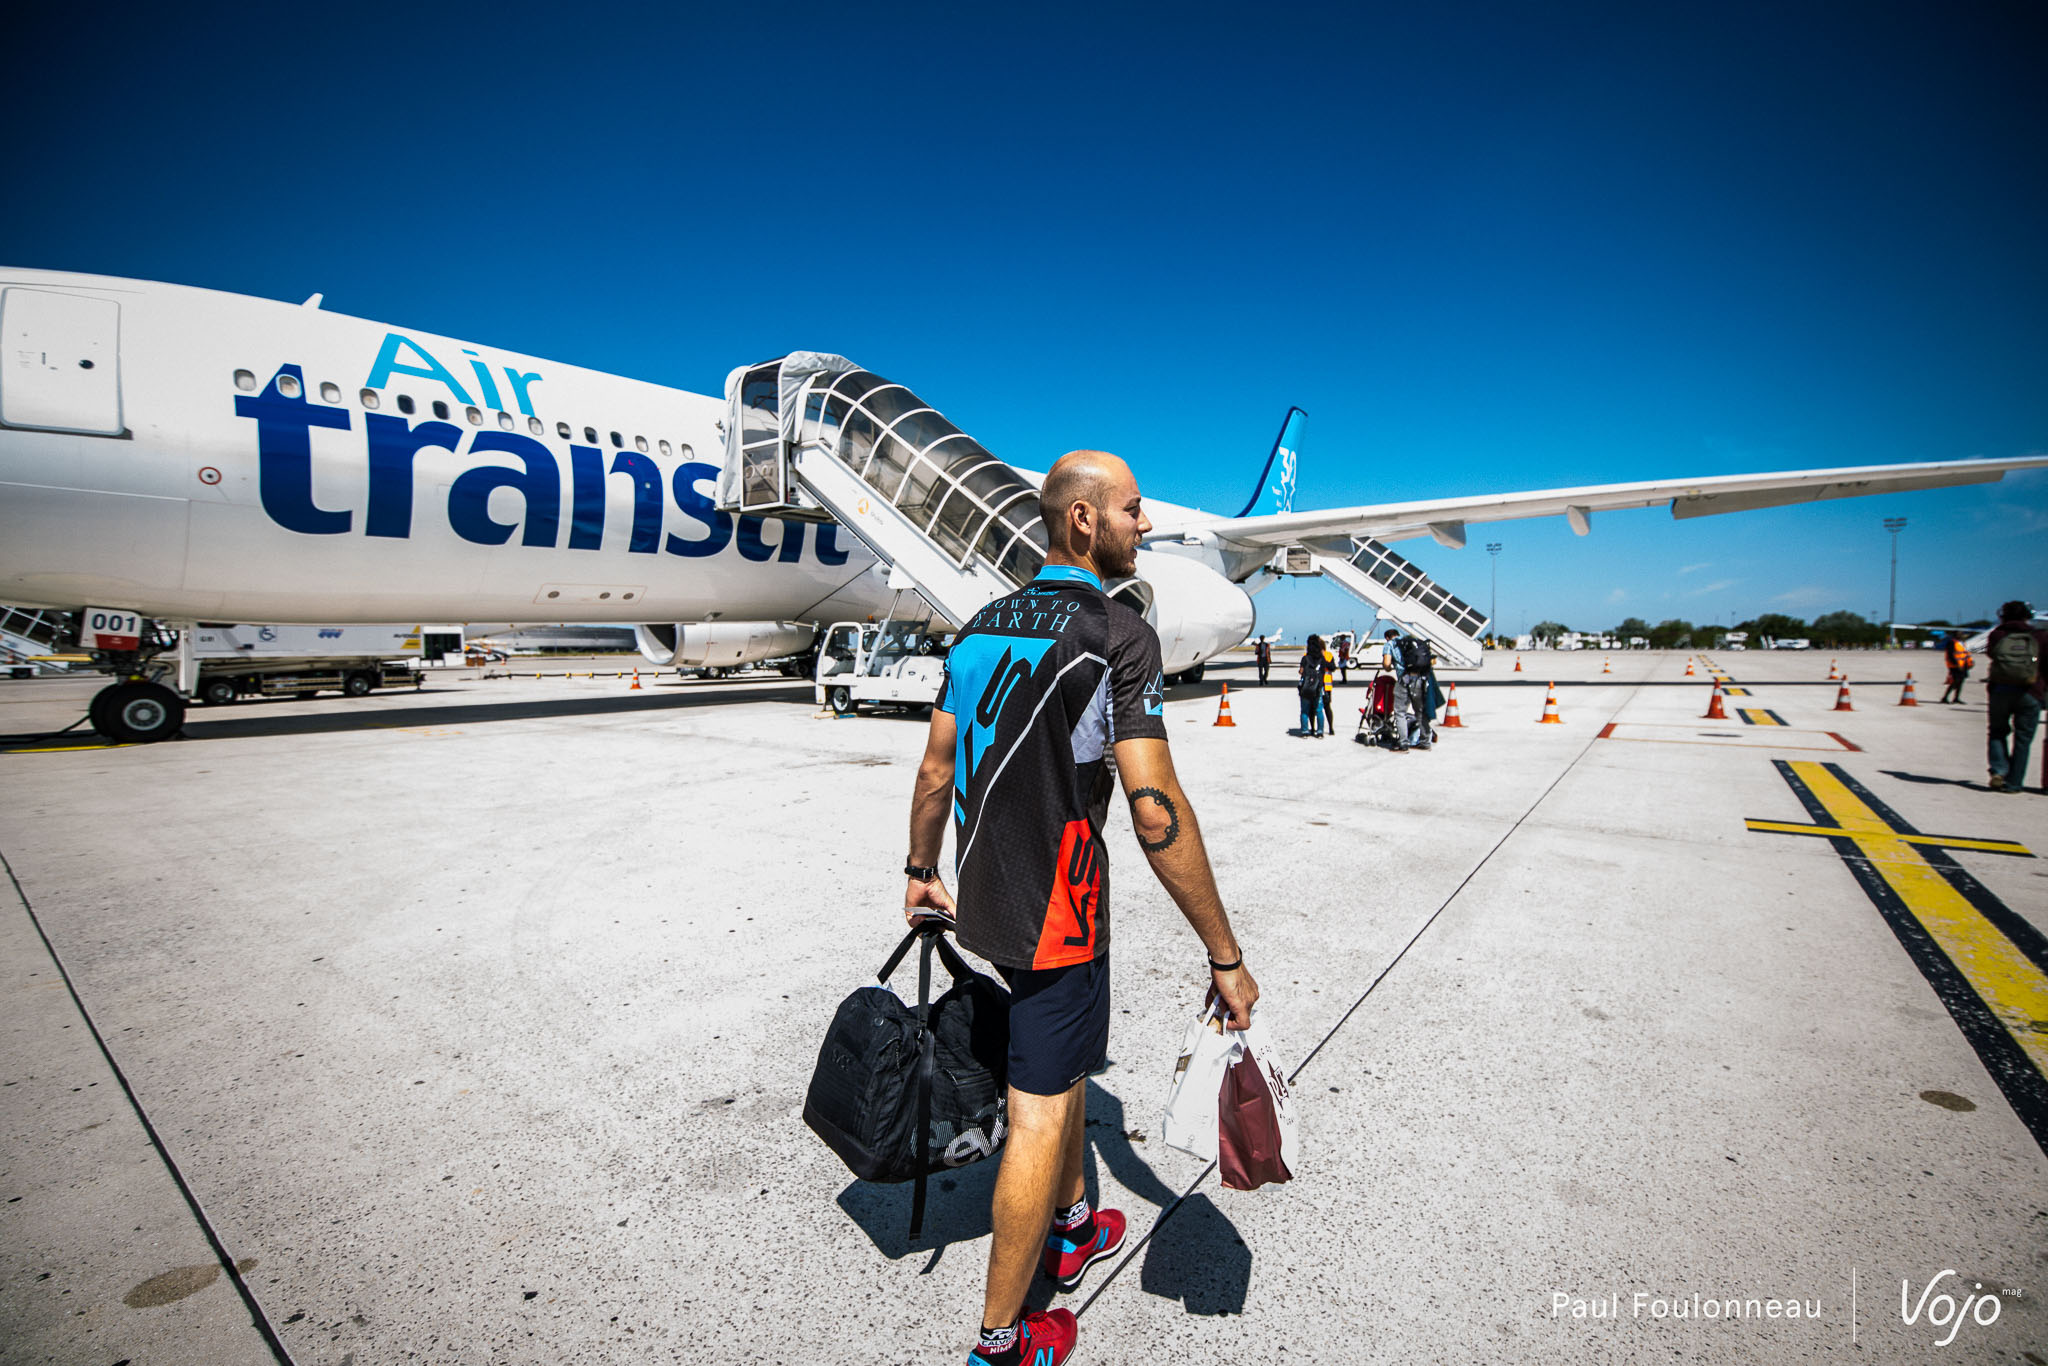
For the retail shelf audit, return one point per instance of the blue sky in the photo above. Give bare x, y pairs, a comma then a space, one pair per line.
1485, 246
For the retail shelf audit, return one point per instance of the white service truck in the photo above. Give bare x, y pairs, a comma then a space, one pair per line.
298, 661
897, 663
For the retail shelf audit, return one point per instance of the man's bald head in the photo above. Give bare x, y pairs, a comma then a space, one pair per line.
1096, 478
1092, 513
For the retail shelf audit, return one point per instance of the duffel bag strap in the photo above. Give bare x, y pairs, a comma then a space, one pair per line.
927, 1049
955, 964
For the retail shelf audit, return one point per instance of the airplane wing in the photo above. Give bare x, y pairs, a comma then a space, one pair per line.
1446, 518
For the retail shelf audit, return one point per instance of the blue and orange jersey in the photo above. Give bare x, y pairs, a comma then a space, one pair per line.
1041, 684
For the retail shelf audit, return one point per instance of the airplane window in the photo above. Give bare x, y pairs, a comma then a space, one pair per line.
405, 403
685, 452
504, 420
562, 430
245, 380
288, 386
534, 425
616, 441
476, 419
370, 399
440, 410
330, 393
640, 443
590, 435
664, 447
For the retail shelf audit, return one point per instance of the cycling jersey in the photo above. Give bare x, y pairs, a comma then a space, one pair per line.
1041, 683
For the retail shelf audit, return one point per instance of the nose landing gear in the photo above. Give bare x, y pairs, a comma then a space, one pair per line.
137, 711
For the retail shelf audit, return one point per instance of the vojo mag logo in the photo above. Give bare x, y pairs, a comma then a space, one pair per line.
1944, 1311
526, 465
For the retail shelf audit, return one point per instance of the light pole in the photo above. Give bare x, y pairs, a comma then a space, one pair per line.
1493, 605
1894, 525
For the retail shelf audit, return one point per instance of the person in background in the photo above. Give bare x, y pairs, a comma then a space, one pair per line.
1959, 663
1310, 686
1407, 657
1329, 685
1263, 652
1344, 657
2017, 691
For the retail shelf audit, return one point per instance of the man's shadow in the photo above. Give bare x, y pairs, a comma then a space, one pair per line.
1198, 1257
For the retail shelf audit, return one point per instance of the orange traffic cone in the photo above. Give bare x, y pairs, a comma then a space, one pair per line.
1223, 709
1550, 716
636, 682
1607, 666
1715, 711
1451, 720
1906, 698
1518, 663
1688, 668
1833, 673
1842, 697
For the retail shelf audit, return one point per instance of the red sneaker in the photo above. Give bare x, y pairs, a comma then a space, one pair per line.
1068, 1255
1042, 1340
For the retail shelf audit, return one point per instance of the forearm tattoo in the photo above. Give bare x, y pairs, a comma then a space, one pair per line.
1166, 840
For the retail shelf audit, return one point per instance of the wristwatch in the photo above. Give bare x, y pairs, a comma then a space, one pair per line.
922, 874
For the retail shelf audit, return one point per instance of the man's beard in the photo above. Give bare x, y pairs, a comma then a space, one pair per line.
1122, 562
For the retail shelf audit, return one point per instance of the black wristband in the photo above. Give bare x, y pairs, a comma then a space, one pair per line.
922, 874
1215, 966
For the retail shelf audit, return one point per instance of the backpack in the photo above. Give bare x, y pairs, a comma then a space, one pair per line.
888, 1073
2015, 659
1414, 655
1310, 685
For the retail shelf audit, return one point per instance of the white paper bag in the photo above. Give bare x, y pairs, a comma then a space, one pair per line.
1206, 1052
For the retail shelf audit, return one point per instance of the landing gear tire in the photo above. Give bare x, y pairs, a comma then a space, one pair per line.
137, 712
842, 701
217, 692
358, 684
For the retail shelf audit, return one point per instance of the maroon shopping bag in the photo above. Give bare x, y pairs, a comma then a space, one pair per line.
1248, 1126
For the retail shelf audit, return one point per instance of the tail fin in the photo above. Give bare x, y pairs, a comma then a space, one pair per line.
1275, 492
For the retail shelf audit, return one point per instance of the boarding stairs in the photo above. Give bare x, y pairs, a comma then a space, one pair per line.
1397, 590
812, 433
28, 637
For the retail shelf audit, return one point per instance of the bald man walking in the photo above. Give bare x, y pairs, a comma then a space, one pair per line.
1044, 685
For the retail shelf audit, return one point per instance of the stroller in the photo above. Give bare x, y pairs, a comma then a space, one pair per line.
1376, 721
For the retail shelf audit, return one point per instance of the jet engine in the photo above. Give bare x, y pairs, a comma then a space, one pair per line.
1196, 611
722, 644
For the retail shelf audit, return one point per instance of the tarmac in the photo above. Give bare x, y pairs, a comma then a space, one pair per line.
473, 1026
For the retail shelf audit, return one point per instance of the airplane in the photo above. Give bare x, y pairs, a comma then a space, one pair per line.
171, 455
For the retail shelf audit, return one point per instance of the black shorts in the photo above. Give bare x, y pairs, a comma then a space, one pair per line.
1059, 1024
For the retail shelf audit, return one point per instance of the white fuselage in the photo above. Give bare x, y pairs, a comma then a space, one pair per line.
222, 502
192, 455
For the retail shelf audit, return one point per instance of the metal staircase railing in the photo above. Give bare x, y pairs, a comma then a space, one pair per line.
28, 635
1398, 590
815, 431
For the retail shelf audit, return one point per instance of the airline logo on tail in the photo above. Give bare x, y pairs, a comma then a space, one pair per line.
1282, 467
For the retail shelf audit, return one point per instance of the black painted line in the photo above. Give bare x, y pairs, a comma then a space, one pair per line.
220, 1251
2012, 1071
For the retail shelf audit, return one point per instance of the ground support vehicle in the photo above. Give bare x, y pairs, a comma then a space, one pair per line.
898, 663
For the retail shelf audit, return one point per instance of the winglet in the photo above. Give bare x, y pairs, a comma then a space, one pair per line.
1278, 496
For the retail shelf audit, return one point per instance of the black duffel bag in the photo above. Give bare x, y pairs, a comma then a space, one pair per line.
888, 1072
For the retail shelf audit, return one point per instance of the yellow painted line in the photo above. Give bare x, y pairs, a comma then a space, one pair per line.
1735, 692
1757, 716
2015, 990
1928, 841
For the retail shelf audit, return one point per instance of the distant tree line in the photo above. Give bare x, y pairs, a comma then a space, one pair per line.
1831, 630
